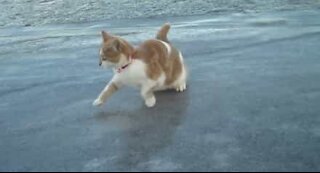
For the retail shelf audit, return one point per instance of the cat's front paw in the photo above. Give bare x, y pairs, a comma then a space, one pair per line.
150, 102
98, 102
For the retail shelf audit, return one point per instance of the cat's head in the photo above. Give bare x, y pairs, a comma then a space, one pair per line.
114, 51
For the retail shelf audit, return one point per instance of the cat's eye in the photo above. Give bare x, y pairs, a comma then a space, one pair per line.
103, 57
110, 49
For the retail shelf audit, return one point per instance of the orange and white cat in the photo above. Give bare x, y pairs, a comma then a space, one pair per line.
154, 65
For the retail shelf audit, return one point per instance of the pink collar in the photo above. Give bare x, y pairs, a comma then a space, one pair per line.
122, 68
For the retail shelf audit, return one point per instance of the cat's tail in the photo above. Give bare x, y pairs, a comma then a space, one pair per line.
163, 32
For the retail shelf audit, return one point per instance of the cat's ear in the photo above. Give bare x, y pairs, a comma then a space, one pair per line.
116, 44
105, 36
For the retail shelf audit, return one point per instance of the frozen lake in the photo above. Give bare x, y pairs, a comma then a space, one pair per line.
252, 102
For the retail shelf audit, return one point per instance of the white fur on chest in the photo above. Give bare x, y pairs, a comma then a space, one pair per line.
134, 74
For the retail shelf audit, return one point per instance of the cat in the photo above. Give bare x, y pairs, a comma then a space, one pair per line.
152, 66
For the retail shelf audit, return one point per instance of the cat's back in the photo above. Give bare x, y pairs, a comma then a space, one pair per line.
154, 50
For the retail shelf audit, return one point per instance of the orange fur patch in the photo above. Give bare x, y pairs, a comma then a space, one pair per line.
155, 54
112, 47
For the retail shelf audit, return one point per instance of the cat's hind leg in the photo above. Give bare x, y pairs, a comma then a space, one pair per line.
181, 83
181, 87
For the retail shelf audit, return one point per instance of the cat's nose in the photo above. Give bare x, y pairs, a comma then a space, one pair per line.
100, 63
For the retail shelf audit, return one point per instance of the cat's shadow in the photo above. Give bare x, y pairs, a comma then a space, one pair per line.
151, 129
